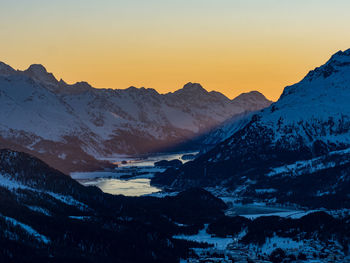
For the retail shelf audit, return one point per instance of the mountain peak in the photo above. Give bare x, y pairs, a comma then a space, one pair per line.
142, 90
62, 82
37, 68
341, 54
256, 95
132, 89
338, 62
5, 69
39, 73
193, 87
83, 85
341, 58
254, 98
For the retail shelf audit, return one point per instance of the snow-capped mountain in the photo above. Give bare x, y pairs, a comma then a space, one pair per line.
205, 142
306, 132
70, 126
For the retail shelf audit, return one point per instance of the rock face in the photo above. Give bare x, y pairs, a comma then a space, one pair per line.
70, 126
279, 151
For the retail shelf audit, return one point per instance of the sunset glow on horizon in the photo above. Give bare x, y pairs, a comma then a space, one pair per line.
231, 46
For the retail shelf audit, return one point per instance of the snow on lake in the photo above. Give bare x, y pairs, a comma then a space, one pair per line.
131, 178
290, 214
255, 210
132, 187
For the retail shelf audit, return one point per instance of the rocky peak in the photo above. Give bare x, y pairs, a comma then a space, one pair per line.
338, 62
252, 95
39, 73
142, 91
191, 91
37, 69
194, 87
82, 85
6, 70
341, 56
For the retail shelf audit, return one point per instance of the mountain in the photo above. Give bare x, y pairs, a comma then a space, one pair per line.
46, 216
6, 70
228, 127
219, 134
73, 126
296, 150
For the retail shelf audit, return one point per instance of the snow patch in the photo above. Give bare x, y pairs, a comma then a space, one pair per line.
28, 229
203, 236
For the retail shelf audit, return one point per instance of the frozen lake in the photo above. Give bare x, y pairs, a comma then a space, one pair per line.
132, 176
131, 187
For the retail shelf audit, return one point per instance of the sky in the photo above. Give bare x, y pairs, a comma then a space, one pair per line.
231, 46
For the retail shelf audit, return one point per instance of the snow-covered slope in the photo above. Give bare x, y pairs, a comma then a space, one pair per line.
69, 125
220, 133
224, 131
311, 119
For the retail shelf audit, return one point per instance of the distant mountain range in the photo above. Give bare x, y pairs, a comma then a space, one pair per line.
297, 150
72, 126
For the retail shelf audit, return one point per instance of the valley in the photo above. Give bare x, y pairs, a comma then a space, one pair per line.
211, 180
194, 131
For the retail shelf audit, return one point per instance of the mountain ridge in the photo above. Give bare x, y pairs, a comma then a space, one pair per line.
47, 117
36, 71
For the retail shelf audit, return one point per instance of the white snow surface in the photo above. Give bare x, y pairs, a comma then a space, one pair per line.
28, 229
203, 236
287, 214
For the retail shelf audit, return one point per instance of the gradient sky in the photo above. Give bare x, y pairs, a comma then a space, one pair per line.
232, 46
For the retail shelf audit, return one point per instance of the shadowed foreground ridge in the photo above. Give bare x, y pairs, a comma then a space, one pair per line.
46, 216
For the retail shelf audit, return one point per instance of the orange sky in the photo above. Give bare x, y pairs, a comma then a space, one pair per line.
231, 46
